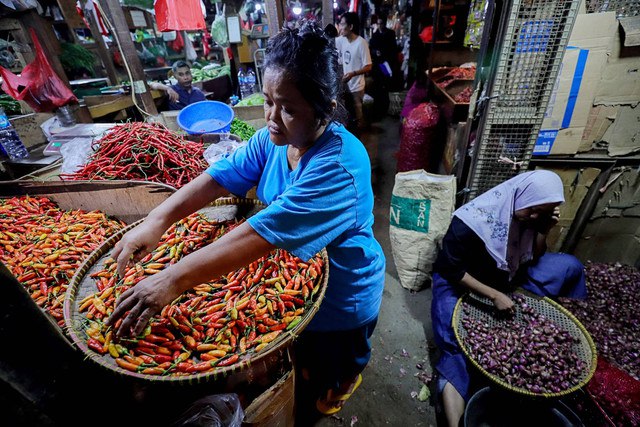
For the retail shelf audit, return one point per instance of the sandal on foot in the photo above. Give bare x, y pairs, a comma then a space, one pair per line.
329, 408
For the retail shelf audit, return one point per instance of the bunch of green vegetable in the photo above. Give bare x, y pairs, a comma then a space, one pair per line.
200, 74
252, 100
10, 106
76, 59
242, 129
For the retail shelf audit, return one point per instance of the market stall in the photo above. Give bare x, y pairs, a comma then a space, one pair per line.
480, 90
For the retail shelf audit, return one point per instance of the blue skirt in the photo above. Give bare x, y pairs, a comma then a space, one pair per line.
554, 275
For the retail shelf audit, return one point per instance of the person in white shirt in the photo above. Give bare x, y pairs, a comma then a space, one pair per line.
356, 62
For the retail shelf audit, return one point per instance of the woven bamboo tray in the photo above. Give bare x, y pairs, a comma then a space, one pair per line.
584, 348
82, 285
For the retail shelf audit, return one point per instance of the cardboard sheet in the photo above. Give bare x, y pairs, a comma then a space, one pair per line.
623, 135
577, 84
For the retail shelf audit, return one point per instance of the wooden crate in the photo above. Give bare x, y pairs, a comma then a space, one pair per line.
275, 407
28, 128
125, 200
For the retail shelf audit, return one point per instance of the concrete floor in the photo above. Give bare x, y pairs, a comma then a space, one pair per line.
401, 341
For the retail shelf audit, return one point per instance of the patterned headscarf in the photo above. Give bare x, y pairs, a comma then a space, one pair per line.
490, 216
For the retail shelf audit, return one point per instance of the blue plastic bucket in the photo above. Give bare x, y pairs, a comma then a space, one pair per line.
205, 117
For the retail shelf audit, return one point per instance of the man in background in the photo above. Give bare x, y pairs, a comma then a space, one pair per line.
384, 54
356, 62
182, 93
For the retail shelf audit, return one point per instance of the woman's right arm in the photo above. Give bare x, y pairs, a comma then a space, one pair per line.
500, 300
459, 246
145, 237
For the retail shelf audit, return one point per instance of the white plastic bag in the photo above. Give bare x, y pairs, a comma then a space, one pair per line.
75, 154
422, 204
190, 51
221, 149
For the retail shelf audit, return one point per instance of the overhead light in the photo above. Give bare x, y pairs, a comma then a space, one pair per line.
297, 8
335, 4
258, 6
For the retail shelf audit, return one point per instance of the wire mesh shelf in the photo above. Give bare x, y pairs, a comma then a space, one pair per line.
534, 38
623, 8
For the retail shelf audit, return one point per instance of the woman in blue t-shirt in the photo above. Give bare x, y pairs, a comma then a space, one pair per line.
315, 177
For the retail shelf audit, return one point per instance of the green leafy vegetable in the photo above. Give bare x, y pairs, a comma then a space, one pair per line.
10, 105
242, 129
252, 100
200, 74
75, 58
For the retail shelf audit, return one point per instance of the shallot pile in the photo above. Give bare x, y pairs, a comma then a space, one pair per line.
611, 313
527, 351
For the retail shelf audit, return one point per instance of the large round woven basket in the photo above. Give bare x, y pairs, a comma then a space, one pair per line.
481, 308
82, 285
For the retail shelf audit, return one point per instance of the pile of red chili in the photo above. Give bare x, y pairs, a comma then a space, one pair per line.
143, 151
215, 324
43, 246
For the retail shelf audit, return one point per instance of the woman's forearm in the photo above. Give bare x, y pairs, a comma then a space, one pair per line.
193, 196
473, 284
235, 249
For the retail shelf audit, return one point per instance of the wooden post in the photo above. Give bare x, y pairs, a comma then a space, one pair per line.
31, 19
275, 15
327, 13
121, 30
103, 50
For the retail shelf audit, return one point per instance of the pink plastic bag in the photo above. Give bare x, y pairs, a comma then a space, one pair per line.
418, 139
38, 84
179, 15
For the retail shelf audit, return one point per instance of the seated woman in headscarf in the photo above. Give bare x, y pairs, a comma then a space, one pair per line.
495, 243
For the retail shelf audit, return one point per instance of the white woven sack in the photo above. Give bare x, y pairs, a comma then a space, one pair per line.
421, 208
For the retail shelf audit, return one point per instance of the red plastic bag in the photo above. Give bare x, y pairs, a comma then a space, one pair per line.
179, 15
178, 44
617, 393
38, 85
418, 139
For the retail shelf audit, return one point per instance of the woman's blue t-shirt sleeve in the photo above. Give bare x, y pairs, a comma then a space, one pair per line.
242, 170
311, 213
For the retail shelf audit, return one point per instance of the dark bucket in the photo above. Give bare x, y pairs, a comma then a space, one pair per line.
491, 408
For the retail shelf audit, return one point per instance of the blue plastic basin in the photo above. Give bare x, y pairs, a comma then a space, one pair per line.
205, 117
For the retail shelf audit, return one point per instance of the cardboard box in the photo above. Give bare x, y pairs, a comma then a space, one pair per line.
577, 84
631, 27
620, 83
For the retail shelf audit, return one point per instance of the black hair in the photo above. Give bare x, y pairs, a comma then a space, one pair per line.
179, 64
310, 60
331, 31
351, 18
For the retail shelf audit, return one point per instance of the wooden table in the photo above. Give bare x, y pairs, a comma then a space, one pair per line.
101, 105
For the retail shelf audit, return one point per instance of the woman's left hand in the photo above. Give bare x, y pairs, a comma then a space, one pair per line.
142, 302
348, 76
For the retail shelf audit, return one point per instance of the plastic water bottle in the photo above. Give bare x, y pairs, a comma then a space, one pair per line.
10, 142
242, 82
251, 81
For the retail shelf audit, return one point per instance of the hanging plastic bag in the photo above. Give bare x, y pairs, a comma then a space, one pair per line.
38, 85
178, 43
179, 15
190, 51
219, 27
